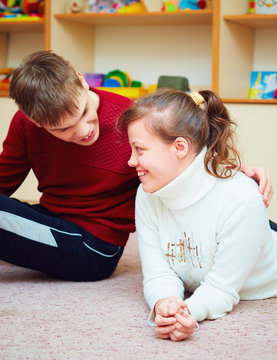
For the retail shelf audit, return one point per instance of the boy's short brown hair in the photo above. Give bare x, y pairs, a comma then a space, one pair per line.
46, 88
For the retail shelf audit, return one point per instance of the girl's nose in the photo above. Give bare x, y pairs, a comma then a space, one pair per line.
132, 161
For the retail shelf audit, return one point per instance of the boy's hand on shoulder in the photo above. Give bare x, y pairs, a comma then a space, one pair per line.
261, 177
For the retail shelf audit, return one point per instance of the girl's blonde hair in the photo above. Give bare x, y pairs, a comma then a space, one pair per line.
171, 113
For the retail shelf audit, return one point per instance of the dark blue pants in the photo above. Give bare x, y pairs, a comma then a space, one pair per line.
33, 237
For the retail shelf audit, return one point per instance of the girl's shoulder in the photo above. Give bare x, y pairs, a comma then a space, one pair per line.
239, 185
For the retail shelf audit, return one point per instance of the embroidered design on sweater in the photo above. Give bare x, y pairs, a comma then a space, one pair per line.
184, 251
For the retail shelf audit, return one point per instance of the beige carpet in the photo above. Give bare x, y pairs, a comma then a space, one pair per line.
42, 318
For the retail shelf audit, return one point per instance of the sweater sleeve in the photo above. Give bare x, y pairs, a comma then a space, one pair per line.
159, 280
240, 234
14, 164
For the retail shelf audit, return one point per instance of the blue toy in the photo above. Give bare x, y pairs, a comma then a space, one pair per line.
192, 4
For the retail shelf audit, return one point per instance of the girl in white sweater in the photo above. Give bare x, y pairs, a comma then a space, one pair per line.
202, 225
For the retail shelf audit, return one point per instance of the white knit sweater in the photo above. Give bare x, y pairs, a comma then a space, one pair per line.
207, 236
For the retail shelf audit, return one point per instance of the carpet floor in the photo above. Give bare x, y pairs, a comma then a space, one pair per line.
43, 318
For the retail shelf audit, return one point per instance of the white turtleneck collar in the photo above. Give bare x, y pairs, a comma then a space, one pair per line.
188, 187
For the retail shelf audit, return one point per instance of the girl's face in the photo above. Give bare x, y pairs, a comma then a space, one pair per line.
157, 162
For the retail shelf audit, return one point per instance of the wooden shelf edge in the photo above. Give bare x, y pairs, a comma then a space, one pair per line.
163, 18
4, 93
253, 20
19, 25
249, 101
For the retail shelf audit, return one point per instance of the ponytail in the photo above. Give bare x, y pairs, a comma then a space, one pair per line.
221, 156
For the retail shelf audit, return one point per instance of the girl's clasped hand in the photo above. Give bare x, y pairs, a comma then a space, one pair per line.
173, 319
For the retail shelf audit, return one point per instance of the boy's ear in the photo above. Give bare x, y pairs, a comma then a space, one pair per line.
181, 147
83, 81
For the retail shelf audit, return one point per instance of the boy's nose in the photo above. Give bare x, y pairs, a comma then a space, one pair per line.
82, 130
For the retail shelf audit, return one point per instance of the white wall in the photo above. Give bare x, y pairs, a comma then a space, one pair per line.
256, 140
21, 44
265, 51
28, 190
152, 51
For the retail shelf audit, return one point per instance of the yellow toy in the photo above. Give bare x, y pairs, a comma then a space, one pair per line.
131, 9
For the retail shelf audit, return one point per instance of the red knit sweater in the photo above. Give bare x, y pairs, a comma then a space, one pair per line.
91, 186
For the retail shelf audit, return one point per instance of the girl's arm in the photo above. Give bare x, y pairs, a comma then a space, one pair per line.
243, 228
159, 280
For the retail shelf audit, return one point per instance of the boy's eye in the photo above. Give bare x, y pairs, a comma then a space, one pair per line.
63, 130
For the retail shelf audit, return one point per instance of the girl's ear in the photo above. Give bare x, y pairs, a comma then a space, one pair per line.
181, 147
83, 81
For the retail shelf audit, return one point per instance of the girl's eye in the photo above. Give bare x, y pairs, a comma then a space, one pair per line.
138, 149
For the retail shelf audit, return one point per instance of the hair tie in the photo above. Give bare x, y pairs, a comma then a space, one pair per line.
197, 98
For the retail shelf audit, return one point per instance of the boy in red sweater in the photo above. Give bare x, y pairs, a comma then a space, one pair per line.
64, 131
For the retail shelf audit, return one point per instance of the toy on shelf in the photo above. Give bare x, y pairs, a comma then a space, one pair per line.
192, 4
118, 82
104, 6
132, 7
180, 83
170, 5
94, 79
177, 5
251, 7
77, 6
5, 74
263, 85
262, 6
21, 9
114, 6
32, 6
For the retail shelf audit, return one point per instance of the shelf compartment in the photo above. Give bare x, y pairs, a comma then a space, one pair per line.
194, 17
254, 21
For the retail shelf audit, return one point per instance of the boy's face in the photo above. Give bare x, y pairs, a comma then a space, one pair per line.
83, 127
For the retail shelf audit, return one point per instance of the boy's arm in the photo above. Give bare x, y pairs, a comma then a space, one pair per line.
261, 177
14, 164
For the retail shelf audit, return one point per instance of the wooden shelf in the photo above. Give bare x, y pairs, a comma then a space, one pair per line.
22, 25
254, 21
194, 17
4, 93
249, 101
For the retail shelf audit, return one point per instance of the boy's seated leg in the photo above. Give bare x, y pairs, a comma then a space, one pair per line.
32, 237
273, 225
